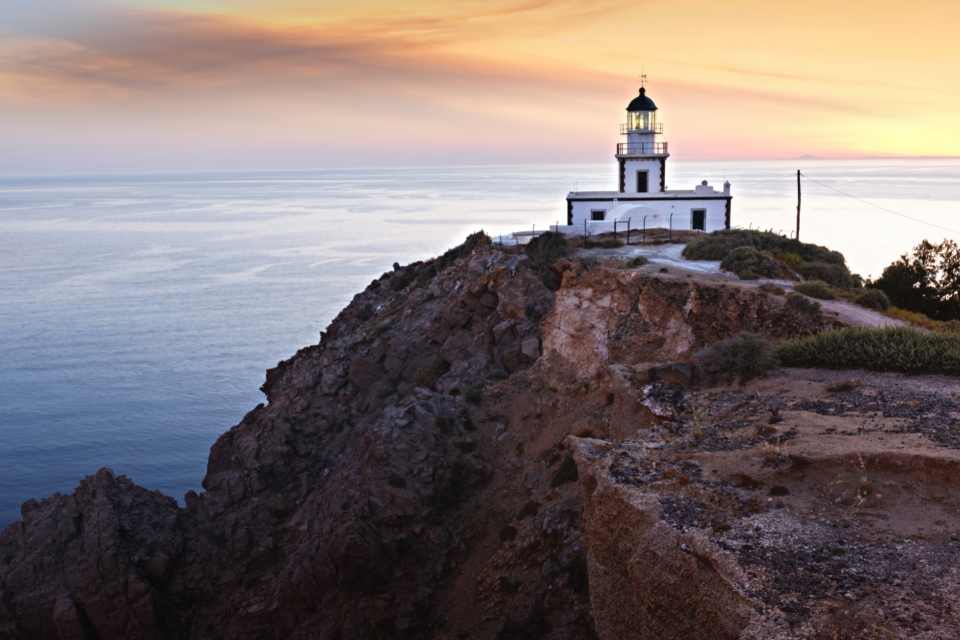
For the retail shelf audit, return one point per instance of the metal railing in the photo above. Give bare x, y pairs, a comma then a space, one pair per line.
626, 128
641, 148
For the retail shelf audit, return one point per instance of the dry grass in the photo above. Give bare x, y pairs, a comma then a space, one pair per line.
951, 327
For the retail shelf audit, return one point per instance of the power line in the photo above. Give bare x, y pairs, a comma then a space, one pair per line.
882, 208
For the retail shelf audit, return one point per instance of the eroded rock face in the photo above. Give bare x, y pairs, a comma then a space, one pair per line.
92, 564
409, 476
814, 528
649, 579
609, 315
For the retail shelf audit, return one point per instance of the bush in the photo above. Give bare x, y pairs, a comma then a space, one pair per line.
742, 358
750, 264
836, 275
715, 246
815, 289
887, 349
809, 260
802, 304
769, 287
872, 299
639, 261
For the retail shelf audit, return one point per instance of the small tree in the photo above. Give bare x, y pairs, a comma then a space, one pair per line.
928, 280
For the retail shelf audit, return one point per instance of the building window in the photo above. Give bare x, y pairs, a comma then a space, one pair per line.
699, 219
643, 181
598, 214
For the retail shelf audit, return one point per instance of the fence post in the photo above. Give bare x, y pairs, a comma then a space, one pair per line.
670, 232
584, 232
628, 231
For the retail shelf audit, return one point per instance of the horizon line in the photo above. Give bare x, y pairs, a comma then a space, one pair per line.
170, 172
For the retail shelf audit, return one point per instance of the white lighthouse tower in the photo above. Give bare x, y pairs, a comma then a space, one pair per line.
642, 159
642, 196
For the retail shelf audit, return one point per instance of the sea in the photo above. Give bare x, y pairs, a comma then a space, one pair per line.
138, 313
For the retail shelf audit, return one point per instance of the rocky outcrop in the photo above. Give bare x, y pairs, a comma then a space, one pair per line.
814, 528
605, 315
413, 475
92, 564
641, 567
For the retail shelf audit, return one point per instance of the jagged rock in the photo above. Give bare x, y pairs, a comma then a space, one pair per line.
93, 560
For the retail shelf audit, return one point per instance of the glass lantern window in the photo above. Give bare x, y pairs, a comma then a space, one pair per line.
642, 120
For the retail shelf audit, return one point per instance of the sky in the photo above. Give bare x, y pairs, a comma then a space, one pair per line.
139, 85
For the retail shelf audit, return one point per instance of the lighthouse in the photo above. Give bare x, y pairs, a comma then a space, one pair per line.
642, 196
642, 158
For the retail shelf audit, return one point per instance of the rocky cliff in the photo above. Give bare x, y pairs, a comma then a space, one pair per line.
473, 450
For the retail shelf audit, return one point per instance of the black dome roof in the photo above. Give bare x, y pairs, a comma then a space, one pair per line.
642, 102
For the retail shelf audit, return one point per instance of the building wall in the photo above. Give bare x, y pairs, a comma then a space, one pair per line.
657, 212
654, 168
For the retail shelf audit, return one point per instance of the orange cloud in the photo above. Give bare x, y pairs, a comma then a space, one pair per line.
470, 80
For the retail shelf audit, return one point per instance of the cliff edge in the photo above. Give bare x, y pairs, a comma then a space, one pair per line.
504, 444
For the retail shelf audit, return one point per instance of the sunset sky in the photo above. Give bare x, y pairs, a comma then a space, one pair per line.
88, 85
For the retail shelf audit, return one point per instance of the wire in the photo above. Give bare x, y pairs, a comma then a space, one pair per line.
874, 204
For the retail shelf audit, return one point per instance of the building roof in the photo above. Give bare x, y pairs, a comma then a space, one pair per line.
642, 102
708, 193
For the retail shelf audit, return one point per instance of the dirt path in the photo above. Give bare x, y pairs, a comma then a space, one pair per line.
856, 315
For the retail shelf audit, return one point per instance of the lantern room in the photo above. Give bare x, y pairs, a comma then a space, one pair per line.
642, 114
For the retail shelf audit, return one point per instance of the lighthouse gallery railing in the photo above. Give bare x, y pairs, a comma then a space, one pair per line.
641, 148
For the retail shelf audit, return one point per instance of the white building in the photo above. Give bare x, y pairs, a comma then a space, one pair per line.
642, 196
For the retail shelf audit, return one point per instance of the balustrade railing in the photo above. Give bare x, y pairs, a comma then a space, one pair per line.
641, 148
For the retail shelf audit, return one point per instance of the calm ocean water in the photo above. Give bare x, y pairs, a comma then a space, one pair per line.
138, 314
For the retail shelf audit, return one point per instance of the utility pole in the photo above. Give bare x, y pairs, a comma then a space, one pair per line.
798, 205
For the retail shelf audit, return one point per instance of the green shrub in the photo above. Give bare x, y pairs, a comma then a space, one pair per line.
769, 287
815, 289
639, 261
750, 264
809, 260
872, 299
887, 349
714, 246
802, 304
836, 275
742, 357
